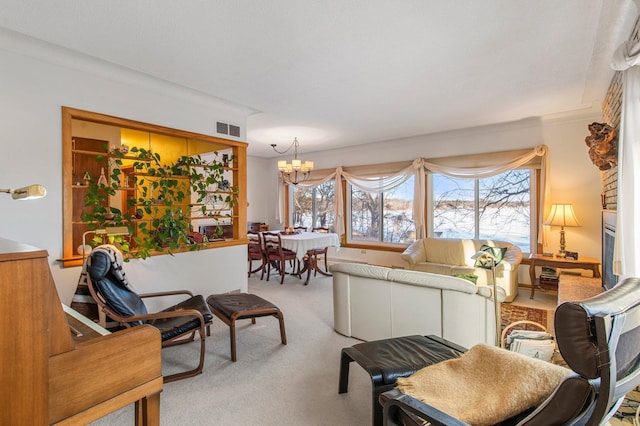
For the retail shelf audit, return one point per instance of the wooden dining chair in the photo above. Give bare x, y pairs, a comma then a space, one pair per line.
278, 256
317, 252
255, 253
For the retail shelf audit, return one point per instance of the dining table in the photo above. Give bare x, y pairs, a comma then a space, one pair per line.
303, 244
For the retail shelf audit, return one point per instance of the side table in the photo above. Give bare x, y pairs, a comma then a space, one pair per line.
536, 259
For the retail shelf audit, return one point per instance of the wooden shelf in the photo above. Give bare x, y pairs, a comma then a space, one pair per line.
87, 152
89, 155
209, 217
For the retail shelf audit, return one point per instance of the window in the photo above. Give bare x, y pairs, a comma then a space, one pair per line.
315, 207
497, 207
382, 217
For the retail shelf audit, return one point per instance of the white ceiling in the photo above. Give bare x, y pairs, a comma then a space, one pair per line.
346, 72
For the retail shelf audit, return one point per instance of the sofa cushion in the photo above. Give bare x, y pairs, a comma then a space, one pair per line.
445, 251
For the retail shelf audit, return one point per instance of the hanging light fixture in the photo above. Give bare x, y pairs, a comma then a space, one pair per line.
297, 171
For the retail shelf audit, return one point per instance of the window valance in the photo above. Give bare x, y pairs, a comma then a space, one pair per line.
383, 177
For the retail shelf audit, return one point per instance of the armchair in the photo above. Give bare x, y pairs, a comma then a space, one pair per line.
599, 339
178, 324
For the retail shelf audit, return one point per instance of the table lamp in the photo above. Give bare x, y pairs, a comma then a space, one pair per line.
562, 215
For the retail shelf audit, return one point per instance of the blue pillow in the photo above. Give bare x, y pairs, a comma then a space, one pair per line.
497, 252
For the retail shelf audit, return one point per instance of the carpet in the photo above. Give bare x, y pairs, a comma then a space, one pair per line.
511, 313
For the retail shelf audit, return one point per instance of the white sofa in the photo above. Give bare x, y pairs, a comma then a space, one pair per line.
374, 302
453, 256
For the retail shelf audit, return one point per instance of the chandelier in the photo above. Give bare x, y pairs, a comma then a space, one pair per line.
297, 171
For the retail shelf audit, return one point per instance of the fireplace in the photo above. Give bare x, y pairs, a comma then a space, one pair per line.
609, 280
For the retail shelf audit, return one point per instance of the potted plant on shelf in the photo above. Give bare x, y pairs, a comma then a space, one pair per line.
167, 196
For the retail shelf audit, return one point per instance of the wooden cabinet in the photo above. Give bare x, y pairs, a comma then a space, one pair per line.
88, 137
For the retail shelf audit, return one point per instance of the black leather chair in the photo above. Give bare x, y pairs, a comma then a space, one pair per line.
598, 338
178, 324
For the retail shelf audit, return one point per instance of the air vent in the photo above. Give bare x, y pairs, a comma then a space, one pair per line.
222, 128
228, 129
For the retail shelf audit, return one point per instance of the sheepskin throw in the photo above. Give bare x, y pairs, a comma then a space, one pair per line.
485, 385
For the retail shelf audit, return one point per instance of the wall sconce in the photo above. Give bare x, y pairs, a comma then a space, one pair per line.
30, 192
562, 215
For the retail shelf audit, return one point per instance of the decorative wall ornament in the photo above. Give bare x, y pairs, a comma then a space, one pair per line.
603, 145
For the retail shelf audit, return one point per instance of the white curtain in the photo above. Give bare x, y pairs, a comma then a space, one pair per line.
626, 261
508, 163
379, 184
370, 182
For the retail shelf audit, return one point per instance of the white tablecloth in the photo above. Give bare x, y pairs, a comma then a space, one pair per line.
301, 243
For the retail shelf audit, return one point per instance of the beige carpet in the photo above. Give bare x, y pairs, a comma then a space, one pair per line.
270, 384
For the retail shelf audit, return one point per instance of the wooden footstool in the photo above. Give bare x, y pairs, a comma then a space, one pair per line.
230, 307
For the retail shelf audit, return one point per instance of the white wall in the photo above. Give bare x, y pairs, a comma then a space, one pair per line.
36, 80
573, 177
258, 172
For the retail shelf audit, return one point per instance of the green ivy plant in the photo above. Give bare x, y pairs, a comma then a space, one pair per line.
163, 205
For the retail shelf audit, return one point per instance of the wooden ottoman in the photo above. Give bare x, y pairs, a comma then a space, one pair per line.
230, 307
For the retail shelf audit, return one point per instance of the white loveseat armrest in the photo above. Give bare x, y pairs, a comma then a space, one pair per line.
415, 253
512, 258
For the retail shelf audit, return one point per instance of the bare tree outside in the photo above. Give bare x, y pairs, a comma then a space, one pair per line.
315, 207
325, 208
385, 217
502, 204
365, 215
302, 206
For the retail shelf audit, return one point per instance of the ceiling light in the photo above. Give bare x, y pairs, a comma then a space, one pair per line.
297, 171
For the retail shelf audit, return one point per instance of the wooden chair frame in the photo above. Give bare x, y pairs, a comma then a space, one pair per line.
177, 340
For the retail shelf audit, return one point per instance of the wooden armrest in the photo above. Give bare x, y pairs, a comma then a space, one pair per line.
167, 293
125, 366
394, 400
165, 314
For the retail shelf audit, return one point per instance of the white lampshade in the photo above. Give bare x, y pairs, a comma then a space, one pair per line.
562, 215
296, 164
282, 165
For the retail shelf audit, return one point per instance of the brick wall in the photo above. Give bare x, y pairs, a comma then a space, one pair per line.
611, 109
